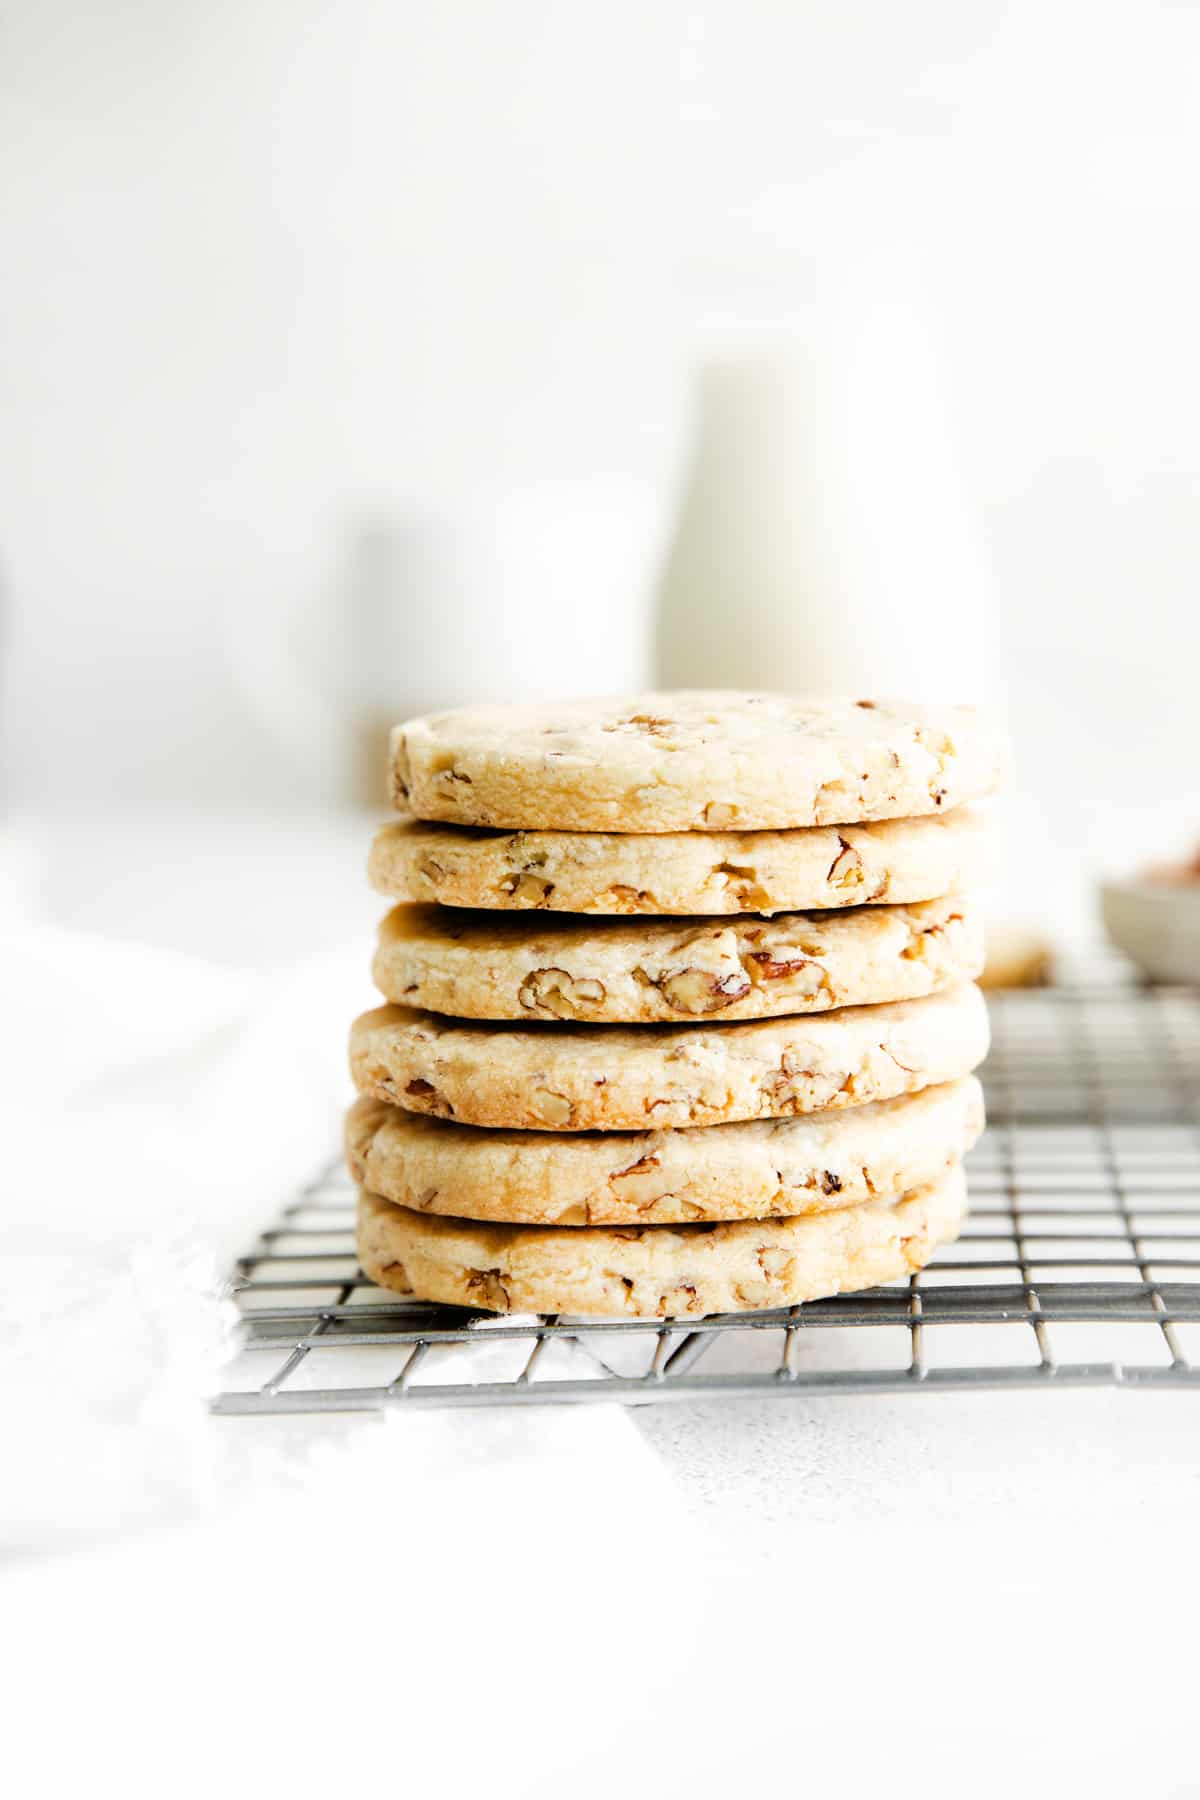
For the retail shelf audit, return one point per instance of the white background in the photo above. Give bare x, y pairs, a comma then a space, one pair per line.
270, 266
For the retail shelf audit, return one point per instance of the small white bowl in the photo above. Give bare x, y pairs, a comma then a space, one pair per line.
1156, 924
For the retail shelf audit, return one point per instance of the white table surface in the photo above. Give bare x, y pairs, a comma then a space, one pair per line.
918, 1590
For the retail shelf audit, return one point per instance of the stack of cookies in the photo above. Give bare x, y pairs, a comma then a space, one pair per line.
682, 1013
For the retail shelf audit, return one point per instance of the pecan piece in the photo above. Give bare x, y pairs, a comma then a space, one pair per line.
747, 890
775, 1264
551, 1108
485, 1287
563, 995
622, 898
680, 1299
808, 975
527, 890
638, 1183
846, 870
702, 990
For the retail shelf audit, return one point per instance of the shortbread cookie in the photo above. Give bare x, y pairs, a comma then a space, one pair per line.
693, 761
777, 1168
683, 872
508, 966
656, 1271
561, 1077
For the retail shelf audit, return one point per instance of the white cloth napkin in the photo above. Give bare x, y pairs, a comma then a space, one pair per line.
156, 1111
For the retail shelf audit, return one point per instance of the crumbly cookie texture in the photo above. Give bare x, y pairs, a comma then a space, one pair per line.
656, 1271
508, 966
680, 872
564, 1077
693, 761
778, 1168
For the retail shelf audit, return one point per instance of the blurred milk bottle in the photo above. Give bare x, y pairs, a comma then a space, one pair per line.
824, 543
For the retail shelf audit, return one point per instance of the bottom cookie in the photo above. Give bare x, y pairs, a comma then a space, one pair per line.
656, 1271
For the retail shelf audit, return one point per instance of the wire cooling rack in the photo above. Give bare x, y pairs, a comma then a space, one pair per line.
1078, 1266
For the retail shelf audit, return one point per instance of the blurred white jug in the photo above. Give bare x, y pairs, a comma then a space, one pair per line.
524, 594
825, 544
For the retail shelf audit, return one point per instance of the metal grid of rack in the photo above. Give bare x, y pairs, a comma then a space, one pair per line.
1079, 1264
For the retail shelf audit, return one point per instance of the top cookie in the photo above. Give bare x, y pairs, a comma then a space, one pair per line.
693, 761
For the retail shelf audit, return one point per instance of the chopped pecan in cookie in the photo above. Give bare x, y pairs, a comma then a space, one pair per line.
703, 990
563, 995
